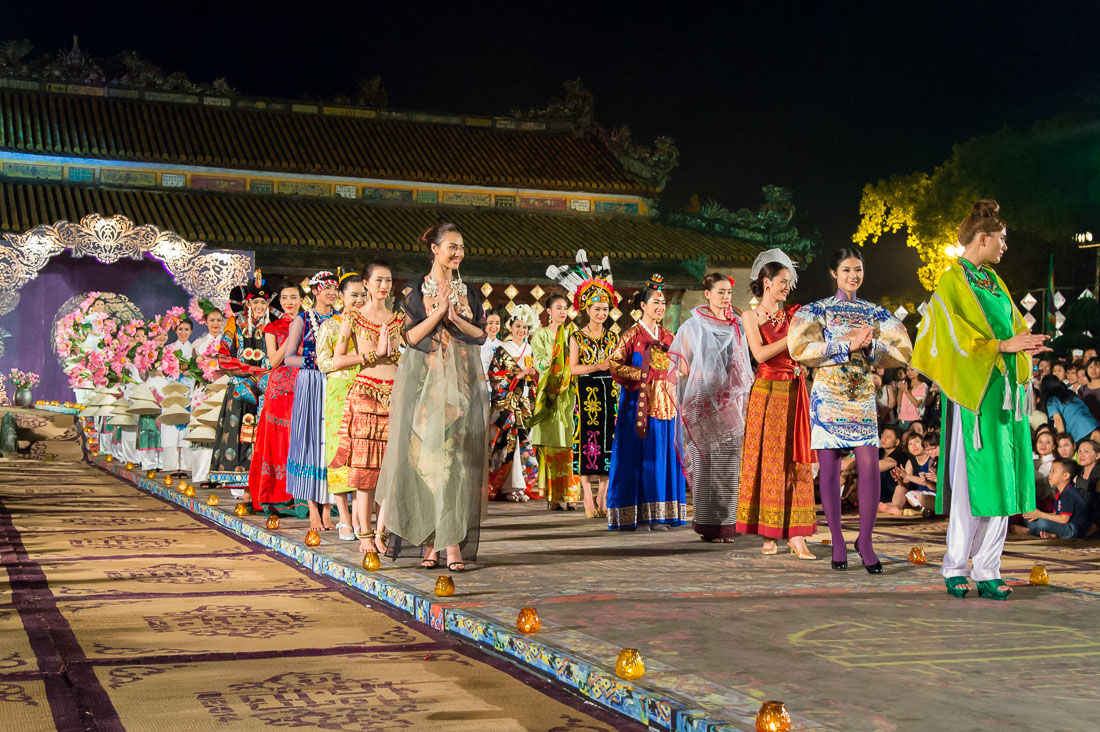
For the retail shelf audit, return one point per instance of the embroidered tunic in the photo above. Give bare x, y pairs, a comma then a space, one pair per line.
597, 402
843, 413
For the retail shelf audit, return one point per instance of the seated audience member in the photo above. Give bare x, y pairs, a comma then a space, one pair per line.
916, 480
1044, 456
890, 456
1058, 370
1042, 368
1065, 409
884, 398
1088, 474
1064, 446
1070, 516
1089, 391
912, 391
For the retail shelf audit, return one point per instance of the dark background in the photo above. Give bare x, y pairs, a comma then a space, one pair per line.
816, 97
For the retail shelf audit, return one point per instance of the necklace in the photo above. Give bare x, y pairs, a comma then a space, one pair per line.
980, 278
430, 288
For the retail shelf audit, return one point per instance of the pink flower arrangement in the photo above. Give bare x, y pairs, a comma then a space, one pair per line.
23, 379
170, 363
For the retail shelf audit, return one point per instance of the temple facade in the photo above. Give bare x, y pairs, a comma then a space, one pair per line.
310, 186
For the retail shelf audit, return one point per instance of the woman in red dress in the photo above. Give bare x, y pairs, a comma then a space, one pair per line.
777, 483
267, 473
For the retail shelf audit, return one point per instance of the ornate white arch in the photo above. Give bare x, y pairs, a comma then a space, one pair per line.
108, 239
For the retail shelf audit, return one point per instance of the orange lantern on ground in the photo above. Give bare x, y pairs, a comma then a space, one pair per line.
313, 538
110, 458
1039, 575
444, 586
528, 621
629, 665
916, 555
371, 562
168, 480
241, 510
773, 717
212, 499
272, 522
189, 491
151, 474
129, 466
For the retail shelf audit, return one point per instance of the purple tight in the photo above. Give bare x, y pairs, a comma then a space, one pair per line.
868, 491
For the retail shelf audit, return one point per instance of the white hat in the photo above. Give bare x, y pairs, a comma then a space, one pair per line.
208, 417
175, 388
175, 400
98, 399
201, 433
123, 420
174, 415
142, 393
141, 406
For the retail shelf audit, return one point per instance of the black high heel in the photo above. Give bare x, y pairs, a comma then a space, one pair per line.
840, 566
875, 568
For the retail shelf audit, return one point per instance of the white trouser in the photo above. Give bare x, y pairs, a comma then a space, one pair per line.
979, 537
106, 438
174, 448
199, 462
126, 447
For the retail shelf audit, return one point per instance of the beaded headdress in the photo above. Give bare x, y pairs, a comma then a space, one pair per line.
321, 280
587, 283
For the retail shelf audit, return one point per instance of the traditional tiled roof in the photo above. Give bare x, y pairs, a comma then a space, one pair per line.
270, 223
308, 139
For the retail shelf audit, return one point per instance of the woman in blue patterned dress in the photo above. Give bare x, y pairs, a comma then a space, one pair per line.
844, 339
306, 468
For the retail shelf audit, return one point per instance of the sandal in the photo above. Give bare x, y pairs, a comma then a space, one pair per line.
769, 548
957, 586
994, 589
344, 532
428, 563
456, 566
803, 554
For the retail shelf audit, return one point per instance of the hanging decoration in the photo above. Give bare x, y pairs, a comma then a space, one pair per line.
110, 238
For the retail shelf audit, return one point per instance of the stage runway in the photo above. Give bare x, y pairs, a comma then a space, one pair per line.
721, 627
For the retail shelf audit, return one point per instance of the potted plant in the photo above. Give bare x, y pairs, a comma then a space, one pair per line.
23, 381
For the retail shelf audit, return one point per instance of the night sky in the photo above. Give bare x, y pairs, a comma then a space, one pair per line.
797, 94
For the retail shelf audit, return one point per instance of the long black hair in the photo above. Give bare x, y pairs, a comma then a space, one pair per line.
1052, 386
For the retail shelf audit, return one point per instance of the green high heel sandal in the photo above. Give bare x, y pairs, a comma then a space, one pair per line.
957, 586
994, 590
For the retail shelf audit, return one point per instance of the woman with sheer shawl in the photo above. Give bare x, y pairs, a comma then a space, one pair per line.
711, 358
432, 481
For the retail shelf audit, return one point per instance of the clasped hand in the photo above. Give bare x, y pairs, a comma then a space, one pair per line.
1027, 342
860, 338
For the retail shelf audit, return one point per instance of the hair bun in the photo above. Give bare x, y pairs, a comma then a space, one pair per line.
986, 208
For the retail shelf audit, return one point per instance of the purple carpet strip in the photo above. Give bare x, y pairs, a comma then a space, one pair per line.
77, 700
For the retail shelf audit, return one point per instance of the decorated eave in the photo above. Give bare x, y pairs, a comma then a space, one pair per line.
297, 233
68, 106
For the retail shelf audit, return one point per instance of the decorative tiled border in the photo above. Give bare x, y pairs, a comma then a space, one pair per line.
659, 710
88, 171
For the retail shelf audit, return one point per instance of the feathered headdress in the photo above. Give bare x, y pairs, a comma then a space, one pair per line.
587, 283
779, 257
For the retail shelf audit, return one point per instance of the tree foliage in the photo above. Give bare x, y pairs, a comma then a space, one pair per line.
1047, 181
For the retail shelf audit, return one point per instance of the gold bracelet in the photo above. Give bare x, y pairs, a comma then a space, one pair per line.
371, 356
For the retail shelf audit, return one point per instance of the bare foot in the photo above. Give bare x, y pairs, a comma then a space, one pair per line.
379, 543
1014, 529
366, 545
1046, 535
314, 519
889, 508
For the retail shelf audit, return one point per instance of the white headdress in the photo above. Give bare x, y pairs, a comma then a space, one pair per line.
527, 314
779, 257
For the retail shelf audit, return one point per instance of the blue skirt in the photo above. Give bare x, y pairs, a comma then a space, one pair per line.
646, 485
306, 470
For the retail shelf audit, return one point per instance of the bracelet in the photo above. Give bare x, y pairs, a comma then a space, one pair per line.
371, 357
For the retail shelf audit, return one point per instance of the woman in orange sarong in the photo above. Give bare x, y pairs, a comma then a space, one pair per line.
777, 484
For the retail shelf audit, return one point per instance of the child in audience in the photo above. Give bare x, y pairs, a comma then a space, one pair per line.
1065, 446
1070, 516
